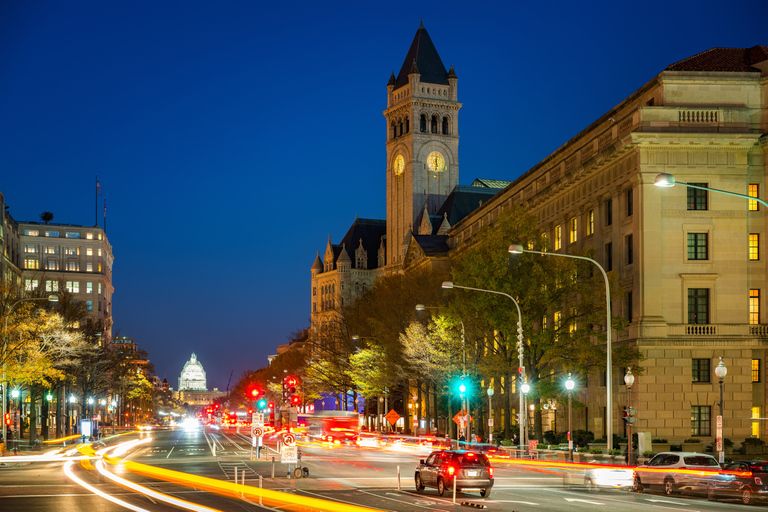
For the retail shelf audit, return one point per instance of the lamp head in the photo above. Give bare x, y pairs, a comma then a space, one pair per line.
664, 180
516, 249
448, 284
421, 307
569, 384
721, 371
629, 379
526, 388
53, 298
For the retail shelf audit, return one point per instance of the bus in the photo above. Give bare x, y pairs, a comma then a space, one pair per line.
336, 427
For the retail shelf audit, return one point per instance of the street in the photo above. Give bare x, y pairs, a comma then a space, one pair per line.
353, 476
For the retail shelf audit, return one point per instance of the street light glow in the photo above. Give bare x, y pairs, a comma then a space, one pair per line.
664, 180
569, 384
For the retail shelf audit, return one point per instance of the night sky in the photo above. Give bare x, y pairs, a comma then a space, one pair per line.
231, 138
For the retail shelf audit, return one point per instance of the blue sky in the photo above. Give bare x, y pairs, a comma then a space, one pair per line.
231, 138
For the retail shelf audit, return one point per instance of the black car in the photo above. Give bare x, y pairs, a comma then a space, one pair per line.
469, 470
743, 479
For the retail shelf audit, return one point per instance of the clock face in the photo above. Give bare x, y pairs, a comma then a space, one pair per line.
399, 165
436, 162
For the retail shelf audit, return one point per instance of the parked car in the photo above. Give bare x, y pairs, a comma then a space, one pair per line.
468, 470
743, 479
673, 471
595, 476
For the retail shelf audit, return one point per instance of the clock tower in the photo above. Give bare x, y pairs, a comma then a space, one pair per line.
422, 141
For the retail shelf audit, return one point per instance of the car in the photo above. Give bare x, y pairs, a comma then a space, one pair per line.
467, 470
595, 476
673, 471
745, 479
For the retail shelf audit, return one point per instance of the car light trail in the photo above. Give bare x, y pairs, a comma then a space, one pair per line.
68, 472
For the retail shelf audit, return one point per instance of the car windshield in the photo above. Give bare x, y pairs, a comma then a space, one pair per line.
471, 458
701, 460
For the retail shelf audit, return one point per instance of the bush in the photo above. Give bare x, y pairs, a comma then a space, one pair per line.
550, 437
601, 440
659, 441
506, 442
753, 440
583, 437
692, 440
676, 447
582, 449
595, 450
649, 454
727, 443
614, 451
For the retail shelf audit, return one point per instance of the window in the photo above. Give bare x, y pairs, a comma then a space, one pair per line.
51, 250
608, 212
574, 229
698, 246
629, 248
30, 285
51, 286
754, 191
573, 324
701, 419
54, 234
31, 263
89, 267
73, 266
99, 252
89, 236
89, 251
89, 287
630, 205
608, 257
755, 370
558, 237
32, 232
700, 370
71, 251
30, 248
754, 307
99, 288
558, 320
52, 265
89, 305
590, 222
629, 306
73, 286
756, 422
423, 123
70, 234
698, 305
754, 246
697, 198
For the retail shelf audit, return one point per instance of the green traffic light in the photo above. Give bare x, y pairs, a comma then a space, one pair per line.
462, 388
261, 404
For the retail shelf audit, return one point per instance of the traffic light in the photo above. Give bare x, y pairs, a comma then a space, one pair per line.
289, 387
462, 385
271, 405
262, 403
250, 411
629, 415
295, 400
255, 393
7, 418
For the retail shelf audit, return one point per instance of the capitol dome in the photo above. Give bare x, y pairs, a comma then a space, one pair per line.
192, 376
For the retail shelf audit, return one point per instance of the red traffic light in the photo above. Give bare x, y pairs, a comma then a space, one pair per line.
7, 418
291, 381
255, 392
295, 400
250, 411
271, 405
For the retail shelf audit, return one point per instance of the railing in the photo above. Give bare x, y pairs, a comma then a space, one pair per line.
697, 116
717, 330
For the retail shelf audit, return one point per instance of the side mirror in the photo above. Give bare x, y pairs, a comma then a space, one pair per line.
421, 461
645, 462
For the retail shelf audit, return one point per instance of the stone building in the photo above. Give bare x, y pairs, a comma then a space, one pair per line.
691, 263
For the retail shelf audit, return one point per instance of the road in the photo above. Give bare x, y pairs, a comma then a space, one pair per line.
367, 478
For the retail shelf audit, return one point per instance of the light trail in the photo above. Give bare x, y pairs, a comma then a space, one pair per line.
68, 472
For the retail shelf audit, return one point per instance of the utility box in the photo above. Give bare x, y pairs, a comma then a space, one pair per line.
644, 443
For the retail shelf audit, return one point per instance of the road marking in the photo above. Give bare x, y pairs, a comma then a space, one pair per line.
584, 501
513, 501
662, 501
170, 452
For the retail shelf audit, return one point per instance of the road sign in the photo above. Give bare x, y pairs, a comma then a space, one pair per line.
256, 441
490, 422
289, 455
257, 419
462, 416
719, 422
392, 416
257, 431
532, 445
289, 439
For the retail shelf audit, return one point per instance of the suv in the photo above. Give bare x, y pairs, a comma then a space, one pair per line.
675, 470
742, 479
469, 471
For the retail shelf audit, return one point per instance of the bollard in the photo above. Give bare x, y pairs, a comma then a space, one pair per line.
260, 487
273, 467
242, 489
235, 476
398, 478
454, 490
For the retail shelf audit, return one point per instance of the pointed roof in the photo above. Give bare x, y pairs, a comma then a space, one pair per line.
369, 233
463, 200
423, 56
723, 59
318, 264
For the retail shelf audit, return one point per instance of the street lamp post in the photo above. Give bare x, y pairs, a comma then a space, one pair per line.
4, 384
629, 380
720, 371
521, 368
569, 385
490, 414
525, 388
665, 180
518, 249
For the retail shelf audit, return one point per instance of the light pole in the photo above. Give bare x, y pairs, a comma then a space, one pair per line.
521, 369
569, 384
666, 180
518, 249
4, 384
629, 380
525, 388
720, 371
490, 414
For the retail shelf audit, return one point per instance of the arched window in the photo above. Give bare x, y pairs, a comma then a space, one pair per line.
445, 126
434, 124
407, 125
394, 130
401, 127
423, 126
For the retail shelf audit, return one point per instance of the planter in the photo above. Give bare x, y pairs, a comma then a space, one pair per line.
753, 449
693, 447
661, 447
602, 446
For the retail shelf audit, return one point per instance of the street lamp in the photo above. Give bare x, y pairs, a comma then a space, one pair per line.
490, 414
569, 384
521, 369
720, 371
525, 388
4, 384
665, 180
629, 380
518, 249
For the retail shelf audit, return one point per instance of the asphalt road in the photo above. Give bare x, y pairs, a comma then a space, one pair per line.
342, 475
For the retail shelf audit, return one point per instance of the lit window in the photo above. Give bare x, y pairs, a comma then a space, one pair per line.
52, 265
755, 370
698, 246
89, 287
89, 251
89, 305
754, 191
51, 286
89, 236
30, 285
70, 234
73, 266
71, 251
54, 234
30, 248
558, 319
51, 250
756, 422
558, 237
701, 420
99, 287
99, 237
32, 232
754, 246
99, 267
73, 286
31, 263
754, 307
590, 222
573, 325
574, 228
99, 253
89, 267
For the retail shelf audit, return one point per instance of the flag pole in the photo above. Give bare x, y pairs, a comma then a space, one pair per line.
105, 216
96, 202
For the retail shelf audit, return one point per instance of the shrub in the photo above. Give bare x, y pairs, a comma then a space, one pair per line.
659, 441
727, 443
753, 440
676, 447
507, 442
614, 451
601, 440
582, 449
649, 454
595, 450
550, 437
583, 437
692, 440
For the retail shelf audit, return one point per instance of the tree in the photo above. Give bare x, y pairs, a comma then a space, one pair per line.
46, 217
562, 309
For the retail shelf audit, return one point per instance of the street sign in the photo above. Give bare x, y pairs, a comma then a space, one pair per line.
289, 455
256, 441
289, 439
532, 445
257, 431
462, 416
490, 422
719, 422
257, 419
392, 416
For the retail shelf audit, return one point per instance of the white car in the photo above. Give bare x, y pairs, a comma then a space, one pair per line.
596, 476
673, 471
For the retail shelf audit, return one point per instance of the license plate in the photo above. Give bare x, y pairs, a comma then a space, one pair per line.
471, 473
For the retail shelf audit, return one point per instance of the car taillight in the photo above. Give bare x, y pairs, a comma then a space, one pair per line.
451, 469
490, 472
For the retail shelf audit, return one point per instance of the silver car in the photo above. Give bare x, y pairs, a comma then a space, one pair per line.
673, 471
